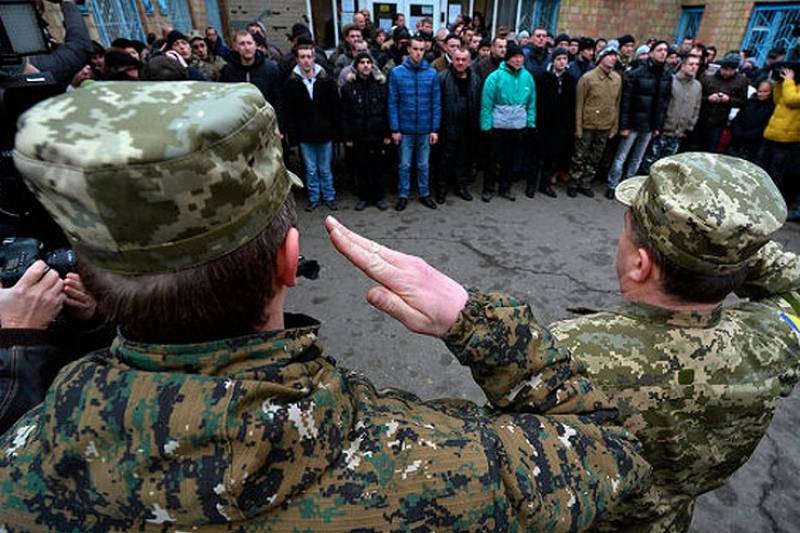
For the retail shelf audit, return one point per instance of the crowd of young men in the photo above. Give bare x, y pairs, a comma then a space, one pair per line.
433, 110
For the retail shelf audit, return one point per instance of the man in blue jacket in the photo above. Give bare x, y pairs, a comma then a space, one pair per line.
414, 117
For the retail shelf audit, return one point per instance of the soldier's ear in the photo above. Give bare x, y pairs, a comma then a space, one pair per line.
288, 257
643, 269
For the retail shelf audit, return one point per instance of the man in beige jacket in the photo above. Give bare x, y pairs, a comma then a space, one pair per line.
596, 119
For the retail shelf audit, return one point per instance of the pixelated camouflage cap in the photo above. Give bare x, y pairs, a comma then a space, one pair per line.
152, 177
708, 213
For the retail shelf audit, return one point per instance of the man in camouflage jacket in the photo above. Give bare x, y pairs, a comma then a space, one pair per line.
697, 382
213, 410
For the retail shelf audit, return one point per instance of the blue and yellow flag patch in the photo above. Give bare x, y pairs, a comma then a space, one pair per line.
792, 320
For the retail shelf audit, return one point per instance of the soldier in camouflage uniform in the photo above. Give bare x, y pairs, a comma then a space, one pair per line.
212, 410
696, 381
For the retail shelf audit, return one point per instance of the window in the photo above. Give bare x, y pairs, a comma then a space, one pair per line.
771, 26
178, 13
535, 13
689, 23
116, 18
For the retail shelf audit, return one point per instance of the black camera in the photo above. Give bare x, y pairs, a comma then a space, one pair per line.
307, 268
776, 68
18, 254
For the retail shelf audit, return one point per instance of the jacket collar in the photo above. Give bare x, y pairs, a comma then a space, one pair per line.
682, 319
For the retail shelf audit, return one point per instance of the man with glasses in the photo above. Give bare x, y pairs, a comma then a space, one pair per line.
536, 60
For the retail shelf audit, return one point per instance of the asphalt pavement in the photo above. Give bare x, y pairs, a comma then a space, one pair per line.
558, 254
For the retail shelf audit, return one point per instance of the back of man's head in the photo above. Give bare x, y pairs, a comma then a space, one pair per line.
702, 217
175, 198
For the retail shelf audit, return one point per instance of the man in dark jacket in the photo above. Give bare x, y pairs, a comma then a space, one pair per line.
489, 64
555, 112
215, 44
461, 106
68, 58
536, 60
365, 129
722, 91
302, 35
249, 65
415, 114
643, 108
311, 101
584, 61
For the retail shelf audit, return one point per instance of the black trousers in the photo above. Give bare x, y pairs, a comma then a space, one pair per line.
504, 149
455, 163
368, 169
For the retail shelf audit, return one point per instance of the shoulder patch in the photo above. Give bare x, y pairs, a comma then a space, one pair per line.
792, 320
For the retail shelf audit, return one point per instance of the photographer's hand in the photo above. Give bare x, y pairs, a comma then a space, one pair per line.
420, 297
34, 301
80, 304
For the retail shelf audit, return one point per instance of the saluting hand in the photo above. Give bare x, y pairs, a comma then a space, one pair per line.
410, 290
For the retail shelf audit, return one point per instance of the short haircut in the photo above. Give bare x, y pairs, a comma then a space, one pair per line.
452, 36
350, 27
685, 284
220, 299
242, 33
303, 46
498, 38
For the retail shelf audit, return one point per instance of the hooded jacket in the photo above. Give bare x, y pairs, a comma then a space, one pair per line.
364, 108
311, 120
263, 73
784, 125
508, 101
264, 433
415, 106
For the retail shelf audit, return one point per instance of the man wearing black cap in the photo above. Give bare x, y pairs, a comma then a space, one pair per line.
300, 34
497, 53
178, 42
643, 109
722, 91
627, 45
584, 61
508, 108
536, 60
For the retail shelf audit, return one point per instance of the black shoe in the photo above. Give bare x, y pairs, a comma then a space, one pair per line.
310, 206
530, 191
610, 194
382, 205
508, 196
547, 190
427, 201
586, 191
464, 194
440, 198
401, 204
486, 196
361, 205
332, 205
572, 192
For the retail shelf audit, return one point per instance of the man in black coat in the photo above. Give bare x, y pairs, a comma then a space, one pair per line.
247, 64
365, 129
311, 108
643, 109
555, 120
461, 107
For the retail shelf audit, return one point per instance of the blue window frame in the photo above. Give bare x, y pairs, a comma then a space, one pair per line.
178, 13
771, 26
116, 18
535, 13
689, 23
214, 20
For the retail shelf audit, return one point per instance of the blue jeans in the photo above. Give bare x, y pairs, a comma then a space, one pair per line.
319, 179
662, 146
634, 145
408, 145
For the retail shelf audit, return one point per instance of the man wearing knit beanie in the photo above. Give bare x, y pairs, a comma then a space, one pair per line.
627, 45
508, 108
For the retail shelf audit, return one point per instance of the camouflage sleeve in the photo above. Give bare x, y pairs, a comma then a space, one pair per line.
772, 271
518, 363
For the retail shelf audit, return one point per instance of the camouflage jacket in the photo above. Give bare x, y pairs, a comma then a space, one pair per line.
264, 433
211, 68
699, 389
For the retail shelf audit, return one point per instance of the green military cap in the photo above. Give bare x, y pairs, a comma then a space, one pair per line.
706, 212
152, 177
